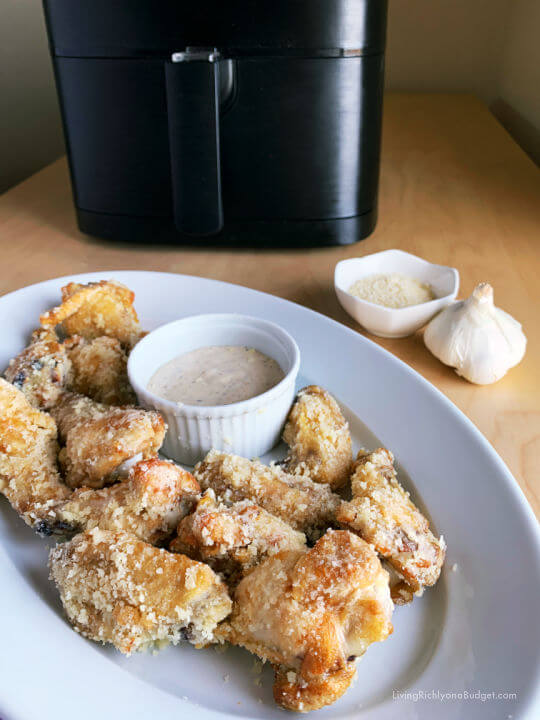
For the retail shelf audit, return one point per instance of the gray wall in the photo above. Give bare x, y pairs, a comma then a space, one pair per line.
30, 132
448, 45
488, 47
517, 104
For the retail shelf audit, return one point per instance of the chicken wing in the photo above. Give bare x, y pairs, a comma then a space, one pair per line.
100, 370
233, 539
47, 367
311, 614
306, 506
28, 449
41, 370
149, 503
319, 438
383, 514
96, 309
118, 589
99, 438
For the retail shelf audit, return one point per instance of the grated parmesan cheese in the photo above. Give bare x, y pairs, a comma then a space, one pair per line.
392, 290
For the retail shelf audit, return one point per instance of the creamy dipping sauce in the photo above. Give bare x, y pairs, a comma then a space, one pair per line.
216, 375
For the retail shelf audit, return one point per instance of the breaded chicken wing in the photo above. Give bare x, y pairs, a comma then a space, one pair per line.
96, 309
319, 438
118, 589
47, 367
233, 539
41, 370
383, 514
98, 438
100, 370
28, 449
149, 503
311, 614
303, 504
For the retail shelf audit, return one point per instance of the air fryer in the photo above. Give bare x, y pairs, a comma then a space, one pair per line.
222, 122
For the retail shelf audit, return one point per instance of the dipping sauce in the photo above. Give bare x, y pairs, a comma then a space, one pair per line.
216, 375
392, 290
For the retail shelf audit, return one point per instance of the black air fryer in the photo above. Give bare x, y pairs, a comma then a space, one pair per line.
222, 122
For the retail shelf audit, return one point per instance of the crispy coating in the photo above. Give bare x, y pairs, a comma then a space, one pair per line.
96, 309
149, 503
28, 449
41, 370
100, 370
233, 539
306, 506
118, 589
319, 438
382, 512
99, 438
311, 613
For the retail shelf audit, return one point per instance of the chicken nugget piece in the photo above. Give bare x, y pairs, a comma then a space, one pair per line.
41, 370
117, 589
96, 309
100, 370
28, 449
99, 438
233, 539
311, 613
382, 512
318, 437
306, 506
149, 503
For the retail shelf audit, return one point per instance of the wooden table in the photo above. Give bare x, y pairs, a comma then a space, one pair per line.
455, 189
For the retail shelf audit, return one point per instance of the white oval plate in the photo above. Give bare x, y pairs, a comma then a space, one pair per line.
475, 633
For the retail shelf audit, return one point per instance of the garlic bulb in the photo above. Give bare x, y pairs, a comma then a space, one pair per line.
476, 338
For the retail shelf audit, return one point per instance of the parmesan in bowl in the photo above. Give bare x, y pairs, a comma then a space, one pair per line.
394, 293
392, 290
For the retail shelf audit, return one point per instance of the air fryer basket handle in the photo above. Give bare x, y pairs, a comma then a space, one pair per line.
192, 81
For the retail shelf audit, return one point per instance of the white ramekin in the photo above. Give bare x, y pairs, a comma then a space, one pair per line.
249, 428
394, 322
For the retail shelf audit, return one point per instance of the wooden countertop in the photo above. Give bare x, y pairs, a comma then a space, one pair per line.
455, 189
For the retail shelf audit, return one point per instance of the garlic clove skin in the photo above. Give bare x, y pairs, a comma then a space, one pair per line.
480, 341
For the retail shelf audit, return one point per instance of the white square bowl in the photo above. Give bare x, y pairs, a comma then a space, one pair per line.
394, 322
